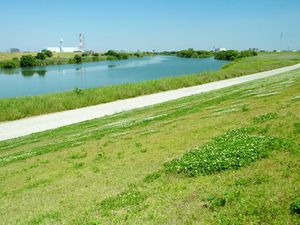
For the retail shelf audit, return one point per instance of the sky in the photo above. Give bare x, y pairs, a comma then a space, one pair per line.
145, 25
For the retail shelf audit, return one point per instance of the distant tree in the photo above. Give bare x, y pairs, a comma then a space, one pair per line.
227, 55
191, 53
111, 53
95, 54
40, 56
78, 59
84, 54
47, 53
247, 53
27, 61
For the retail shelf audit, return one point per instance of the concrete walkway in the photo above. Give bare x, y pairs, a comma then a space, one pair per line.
18, 128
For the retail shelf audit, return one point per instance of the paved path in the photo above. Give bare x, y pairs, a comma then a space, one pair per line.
18, 128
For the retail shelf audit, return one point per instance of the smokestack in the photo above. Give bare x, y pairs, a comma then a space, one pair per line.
81, 44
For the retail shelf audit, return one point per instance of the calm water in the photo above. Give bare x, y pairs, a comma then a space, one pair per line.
49, 79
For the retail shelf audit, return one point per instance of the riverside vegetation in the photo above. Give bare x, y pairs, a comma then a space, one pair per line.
222, 55
146, 166
20, 107
46, 57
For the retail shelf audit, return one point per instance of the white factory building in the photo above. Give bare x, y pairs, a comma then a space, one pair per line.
61, 47
220, 49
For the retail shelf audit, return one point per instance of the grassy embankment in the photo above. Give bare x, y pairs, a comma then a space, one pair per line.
16, 108
115, 170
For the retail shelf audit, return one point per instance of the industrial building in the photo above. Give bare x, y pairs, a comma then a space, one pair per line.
13, 50
220, 49
61, 47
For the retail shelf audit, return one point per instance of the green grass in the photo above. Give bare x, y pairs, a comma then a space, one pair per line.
111, 170
20, 107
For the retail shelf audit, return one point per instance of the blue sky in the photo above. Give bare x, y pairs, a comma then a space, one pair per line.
150, 24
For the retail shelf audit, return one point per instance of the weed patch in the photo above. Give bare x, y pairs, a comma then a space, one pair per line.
131, 200
152, 177
295, 206
78, 155
78, 165
265, 117
214, 201
297, 127
232, 150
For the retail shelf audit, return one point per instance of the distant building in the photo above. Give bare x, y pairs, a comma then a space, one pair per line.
14, 50
61, 47
220, 49
53, 49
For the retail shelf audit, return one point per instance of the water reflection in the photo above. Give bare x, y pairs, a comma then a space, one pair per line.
31, 72
50, 79
26, 72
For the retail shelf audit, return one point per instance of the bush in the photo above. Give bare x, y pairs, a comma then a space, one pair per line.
112, 55
247, 53
232, 150
96, 58
27, 61
295, 206
77, 59
227, 55
40, 56
84, 54
47, 53
96, 54
138, 55
233, 54
10, 64
191, 53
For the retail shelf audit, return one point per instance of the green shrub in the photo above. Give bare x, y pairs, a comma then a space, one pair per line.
112, 55
215, 201
27, 61
96, 58
47, 53
227, 55
191, 53
85, 54
77, 91
138, 55
232, 150
40, 56
10, 64
233, 54
295, 206
95, 54
77, 59
111, 58
247, 53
